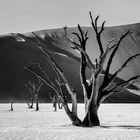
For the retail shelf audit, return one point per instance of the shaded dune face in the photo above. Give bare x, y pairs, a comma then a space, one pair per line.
16, 54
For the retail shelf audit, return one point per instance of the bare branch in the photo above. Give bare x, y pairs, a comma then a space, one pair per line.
109, 42
92, 21
30, 88
81, 47
116, 88
42, 78
81, 33
99, 65
125, 83
102, 27
96, 19
122, 67
46, 76
86, 34
77, 35
39, 84
57, 69
98, 33
113, 54
81, 50
54, 65
76, 44
104, 55
92, 66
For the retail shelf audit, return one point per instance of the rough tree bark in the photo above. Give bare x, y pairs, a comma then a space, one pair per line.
95, 90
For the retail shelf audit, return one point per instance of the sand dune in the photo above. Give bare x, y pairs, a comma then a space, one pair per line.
15, 53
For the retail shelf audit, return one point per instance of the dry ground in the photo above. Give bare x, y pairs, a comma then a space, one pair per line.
118, 122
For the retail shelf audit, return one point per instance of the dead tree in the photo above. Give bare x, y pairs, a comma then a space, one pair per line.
34, 88
59, 103
11, 106
101, 83
31, 91
54, 101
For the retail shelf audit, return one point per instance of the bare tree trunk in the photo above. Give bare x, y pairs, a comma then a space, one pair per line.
55, 106
36, 100
11, 106
59, 105
85, 100
32, 102
91, 118
74, 104
73, 98
75, 120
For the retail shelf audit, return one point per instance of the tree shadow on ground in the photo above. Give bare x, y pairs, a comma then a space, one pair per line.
136, 127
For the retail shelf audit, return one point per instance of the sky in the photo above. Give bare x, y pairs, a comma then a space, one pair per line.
31, 15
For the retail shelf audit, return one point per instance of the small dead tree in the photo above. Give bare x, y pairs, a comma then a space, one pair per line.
11, 106
101, 83
34, 88
54, 101
31, 103
59, 103
31, 91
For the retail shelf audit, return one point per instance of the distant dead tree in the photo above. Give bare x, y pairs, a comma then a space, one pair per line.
30, 89
59, 103
11, 106
55, 100
34, 88
100, 85
31, 103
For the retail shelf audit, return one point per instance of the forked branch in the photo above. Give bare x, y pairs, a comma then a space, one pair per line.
81, 47
81, 50
98, 33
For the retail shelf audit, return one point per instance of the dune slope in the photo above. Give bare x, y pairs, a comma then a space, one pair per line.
16, 53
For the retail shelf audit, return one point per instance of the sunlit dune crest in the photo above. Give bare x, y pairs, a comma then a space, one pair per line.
137, 92
62, 54
18, 38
